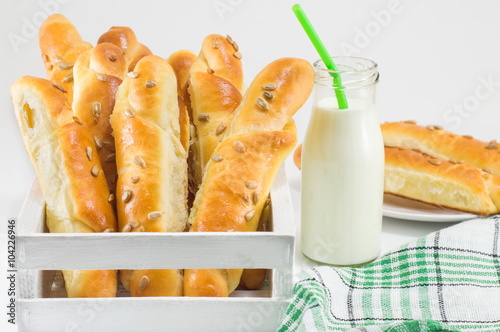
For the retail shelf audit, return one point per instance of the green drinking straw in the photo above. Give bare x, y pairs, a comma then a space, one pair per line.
323, 53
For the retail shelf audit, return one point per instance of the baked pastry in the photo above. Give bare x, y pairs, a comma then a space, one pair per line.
126, 40
62, 152
61, 44
97, 75
437, 142
440, 182
152, 166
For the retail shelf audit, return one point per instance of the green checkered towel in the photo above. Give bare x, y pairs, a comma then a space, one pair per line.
446, 281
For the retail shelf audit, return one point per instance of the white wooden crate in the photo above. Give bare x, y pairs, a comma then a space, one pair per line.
41, 254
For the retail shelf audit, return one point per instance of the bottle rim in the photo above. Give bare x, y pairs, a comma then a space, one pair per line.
355, 72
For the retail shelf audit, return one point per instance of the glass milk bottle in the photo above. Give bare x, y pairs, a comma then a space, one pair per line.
343, 168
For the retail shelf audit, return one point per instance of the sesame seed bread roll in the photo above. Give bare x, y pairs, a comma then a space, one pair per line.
97, 75
440, 182
234, 190
274, 96
73, 185
152, 166
60, 44
443, 144
126, 40
215, 90
181, 62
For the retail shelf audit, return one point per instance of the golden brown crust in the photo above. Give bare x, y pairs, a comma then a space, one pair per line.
274, 96
459, 186
73, 185
97, 75
443, 144
126, 40
61, 45
151, 162
234, 190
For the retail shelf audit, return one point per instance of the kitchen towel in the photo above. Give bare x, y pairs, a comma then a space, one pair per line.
446, 281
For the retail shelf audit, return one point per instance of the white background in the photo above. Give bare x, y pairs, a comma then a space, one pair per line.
439, 63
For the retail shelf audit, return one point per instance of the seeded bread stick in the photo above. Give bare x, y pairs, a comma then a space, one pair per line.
61, 44
215, 89
440, 182
234, 190
125, 39
73, 185
152, 166
97, 75
443, 144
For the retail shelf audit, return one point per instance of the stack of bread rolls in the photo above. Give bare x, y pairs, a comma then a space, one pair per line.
126, 141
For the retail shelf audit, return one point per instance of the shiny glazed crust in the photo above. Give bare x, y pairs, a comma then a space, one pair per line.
65, 160
151, 163
61, 45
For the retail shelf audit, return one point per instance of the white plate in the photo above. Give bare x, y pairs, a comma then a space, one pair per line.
402, 208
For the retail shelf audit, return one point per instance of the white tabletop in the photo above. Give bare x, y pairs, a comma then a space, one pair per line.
438, 63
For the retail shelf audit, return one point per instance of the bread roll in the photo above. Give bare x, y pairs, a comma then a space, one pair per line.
152, 166
126, 40
61, 45
440, 182
97, 75
73, 185
234, 190
215, 84
443, 144
275, 95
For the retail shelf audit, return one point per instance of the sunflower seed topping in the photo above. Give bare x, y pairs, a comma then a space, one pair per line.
144, 282
155, 215
435, 162
236, 46
102, 77
210, 71
108, 230
262, 103
77, 120
68, 78
150, 84
110, 146
96, 109
127, 195
110, 158
453, 161
220, 129
141, 229
238, 146
238, 55
487, 170
410, 121
89, 153
127, 228
203, 117
128, 113
139, 161
216, 43
57, 59
467, 136
59, 87
65, 65
216, 157
492, 145
113, 58
255, 197
269, 87
114, 179
250, 184
133, 74
111, 198
436, 127
246, 197
134, 179
98, 143
95, 171
229, 39
430, 127
268, 95
249, 215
